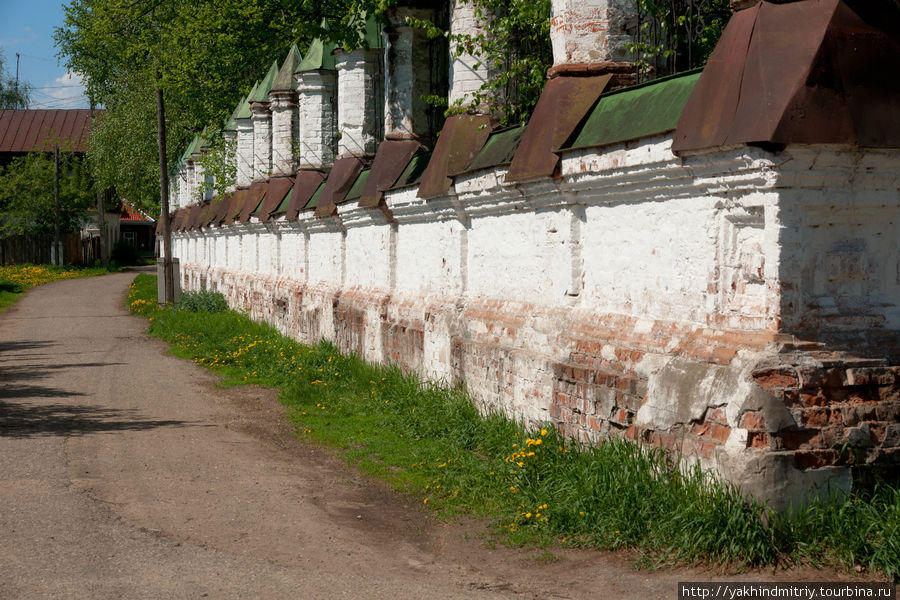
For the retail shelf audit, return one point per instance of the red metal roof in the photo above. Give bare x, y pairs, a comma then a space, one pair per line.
41, 130
130, 213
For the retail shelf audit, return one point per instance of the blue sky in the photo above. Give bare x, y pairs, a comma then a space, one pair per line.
26, 27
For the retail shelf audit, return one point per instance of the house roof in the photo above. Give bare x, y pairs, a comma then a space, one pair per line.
41, 130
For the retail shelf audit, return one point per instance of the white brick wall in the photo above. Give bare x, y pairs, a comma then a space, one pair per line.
467, 73
357, 108
262, 141
244, 152
284, 115
590, 31
316, 113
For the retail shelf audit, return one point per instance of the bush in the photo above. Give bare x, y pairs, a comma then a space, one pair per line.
211, 302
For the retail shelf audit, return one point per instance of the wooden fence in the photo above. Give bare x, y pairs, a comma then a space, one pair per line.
35, 249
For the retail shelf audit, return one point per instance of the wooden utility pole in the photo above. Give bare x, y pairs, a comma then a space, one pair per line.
164, 197
57, 243
101, 225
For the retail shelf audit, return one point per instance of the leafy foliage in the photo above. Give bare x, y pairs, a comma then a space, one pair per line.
515, 47
219, 162
203, 55
203, 301
27, 203
677, 35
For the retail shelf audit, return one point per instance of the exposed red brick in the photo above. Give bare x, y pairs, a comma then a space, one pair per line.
712, 430
821, 417
757, 439
717, 415
770, 379
753, 420
816, 399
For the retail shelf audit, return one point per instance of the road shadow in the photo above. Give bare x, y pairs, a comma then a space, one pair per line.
27, 420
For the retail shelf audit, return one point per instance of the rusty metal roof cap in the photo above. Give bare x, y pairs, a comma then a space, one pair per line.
234, 208
305, 185
810, 72
563, 104
391, 159
254, 197
461, 139
342, 177
278, 188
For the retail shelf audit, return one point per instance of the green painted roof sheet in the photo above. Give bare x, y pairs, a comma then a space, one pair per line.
230, 123
373, 37
413, 172
285, 78
314, 201
499, 148
282, 206
359, 185
243, 111
318, 56
261, 94
635, 112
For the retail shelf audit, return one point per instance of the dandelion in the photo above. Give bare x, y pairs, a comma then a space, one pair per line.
543, 432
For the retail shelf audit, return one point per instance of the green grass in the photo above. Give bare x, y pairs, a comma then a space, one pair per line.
15, 280
537, 488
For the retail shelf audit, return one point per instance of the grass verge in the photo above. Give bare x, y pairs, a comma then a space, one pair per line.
432, 442
15, 280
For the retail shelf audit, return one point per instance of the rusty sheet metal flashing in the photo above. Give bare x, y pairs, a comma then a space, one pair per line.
342, 177
278, 188
305, 185
237, 204
562, 106
811, 72
181, 215
222, 209
193, 214
255, 195
204, 217
391, 159
461, 139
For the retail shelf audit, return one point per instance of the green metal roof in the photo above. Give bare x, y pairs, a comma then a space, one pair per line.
372, 38
243, 111
635, 112
285, 78
282, 206
356, 191
261, 94
230, 123
499, 148
314, 201
414, 170
318, 56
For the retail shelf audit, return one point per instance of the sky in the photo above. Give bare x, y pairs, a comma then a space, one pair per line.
26, 27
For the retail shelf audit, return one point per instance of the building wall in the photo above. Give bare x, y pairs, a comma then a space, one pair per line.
683, 302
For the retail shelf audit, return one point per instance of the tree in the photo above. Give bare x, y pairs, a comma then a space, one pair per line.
12, 95
27, 194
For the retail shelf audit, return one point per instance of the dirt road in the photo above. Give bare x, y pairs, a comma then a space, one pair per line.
126, 474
